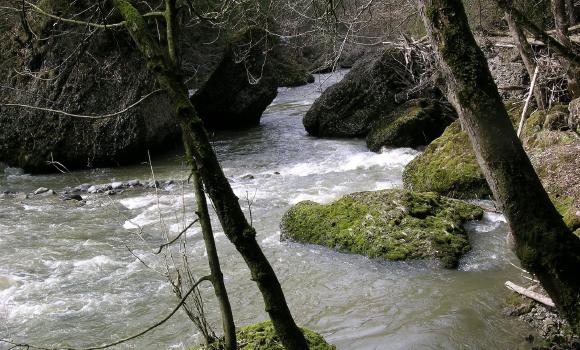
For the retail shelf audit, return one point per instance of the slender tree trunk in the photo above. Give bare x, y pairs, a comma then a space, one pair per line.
544, 244
527, 55
561, 22
561, 25
217, 277
226, 204
571, 12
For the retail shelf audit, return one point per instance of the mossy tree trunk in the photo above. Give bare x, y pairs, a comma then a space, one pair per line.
226, 204
527, 55
544, 244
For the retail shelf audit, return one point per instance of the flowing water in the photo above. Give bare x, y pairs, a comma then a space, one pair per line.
67, 277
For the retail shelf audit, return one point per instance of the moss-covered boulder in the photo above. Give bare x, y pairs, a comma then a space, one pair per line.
448, 166
392, 224
350, 107
262, 336
414, 123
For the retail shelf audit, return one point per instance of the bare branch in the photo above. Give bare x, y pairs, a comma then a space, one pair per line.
102, 116
177, 237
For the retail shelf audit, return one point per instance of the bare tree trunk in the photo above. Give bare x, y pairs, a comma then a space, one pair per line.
561, 22
571, 12
226, 204
565, 52
217, 277
561, 25
527, 55
543, 243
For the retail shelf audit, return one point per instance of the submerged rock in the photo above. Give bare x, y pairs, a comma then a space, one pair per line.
416, 122
375, 86
392, 224
262, 336
231, 99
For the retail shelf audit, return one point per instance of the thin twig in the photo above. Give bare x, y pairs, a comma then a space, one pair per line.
177, 237
79, 115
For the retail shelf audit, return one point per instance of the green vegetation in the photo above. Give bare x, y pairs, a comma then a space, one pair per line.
262, 336
391, 224
448, 166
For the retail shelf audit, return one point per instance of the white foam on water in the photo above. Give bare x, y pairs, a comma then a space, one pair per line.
138, 202
96, 263
388, 158
496, 217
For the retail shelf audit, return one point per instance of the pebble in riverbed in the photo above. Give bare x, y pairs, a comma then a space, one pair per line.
74, 193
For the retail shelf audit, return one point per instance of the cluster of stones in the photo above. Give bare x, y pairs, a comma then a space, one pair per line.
110, 189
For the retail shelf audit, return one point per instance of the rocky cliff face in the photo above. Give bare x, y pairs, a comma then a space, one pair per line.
80, 71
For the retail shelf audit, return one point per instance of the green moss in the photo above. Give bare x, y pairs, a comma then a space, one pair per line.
566, 208
448, 166
390, 224
262, 336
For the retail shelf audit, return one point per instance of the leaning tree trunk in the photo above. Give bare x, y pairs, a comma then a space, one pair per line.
527, 55
561, 25
226, 204
564, 51
544, 244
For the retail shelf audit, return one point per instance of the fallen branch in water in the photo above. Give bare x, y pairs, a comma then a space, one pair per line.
530, 294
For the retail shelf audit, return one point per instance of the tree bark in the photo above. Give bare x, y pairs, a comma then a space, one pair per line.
226, 204
543, 243
571, 12
561, 22
217, 277
527, 55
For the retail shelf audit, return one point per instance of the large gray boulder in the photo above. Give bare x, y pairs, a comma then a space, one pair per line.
375, 86
232, 98
80, 74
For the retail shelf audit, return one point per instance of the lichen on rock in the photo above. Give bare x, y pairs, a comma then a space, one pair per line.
392, 224
262, 336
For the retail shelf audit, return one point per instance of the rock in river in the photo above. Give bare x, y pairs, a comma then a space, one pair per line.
230, 99
392, 224
417, 122
375, 86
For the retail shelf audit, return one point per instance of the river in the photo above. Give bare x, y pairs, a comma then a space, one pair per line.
67, 277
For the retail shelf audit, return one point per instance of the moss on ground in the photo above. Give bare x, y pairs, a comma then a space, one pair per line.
262, 336
448, 165
392, 224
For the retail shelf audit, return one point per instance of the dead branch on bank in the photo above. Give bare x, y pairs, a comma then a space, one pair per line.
530, 294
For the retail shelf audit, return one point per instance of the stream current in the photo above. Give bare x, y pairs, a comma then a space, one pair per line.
68, 279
